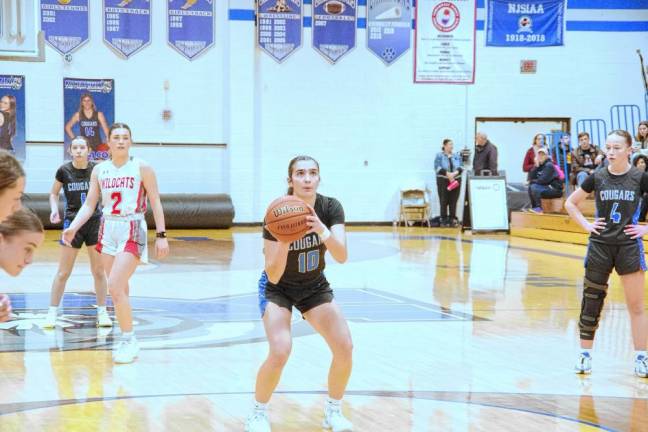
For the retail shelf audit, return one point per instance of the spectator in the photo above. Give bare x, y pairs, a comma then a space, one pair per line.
485, 155
641, 162
543, 181
448, 170
641, 144
530, 160
586, 158
562, 155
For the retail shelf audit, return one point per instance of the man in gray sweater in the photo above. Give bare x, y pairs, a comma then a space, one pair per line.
485, 155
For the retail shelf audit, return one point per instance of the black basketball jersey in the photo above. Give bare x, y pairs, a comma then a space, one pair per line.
89, 128
6, 132
76, 183
618, 200
305, 263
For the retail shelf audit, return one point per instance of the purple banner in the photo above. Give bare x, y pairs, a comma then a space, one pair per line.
389, 24
65, 24
334, 27
190, 26
12, 114
279, 27
88, 110
127, 25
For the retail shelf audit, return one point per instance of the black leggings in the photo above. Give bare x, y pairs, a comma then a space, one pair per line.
447, 198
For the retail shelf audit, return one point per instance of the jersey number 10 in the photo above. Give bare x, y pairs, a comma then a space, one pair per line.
308, 261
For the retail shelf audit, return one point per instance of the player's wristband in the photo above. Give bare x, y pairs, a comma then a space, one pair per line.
325, 235
161, 234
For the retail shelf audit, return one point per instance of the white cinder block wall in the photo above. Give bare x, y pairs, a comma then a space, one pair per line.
370, 127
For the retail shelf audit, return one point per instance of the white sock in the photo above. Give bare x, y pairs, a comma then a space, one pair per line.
333, 403
101, 309
587, 351
53, 310
639, 354
258, 406
128, 336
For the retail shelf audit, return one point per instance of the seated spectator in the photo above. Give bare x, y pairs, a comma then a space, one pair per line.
544, 181
562, 155
530, 160
586, 158
641, 162
641, 139
448, 170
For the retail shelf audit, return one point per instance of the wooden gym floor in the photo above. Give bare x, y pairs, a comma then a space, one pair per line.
452, 333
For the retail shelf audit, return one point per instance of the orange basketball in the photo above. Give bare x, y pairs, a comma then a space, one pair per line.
286, 218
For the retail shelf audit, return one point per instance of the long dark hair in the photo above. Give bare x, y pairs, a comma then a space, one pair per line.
445, 141
10, 170
10, 116
638, 137
291, 168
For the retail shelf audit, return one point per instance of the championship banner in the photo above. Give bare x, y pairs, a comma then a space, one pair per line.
444, 41
531, 23
279, 27
65, 24
190, 26
127, 25
89, 110
12, 115
334, 27
389, 24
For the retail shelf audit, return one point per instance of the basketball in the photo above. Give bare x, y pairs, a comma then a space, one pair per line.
286, 218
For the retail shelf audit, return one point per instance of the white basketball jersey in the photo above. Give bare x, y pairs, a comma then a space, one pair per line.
122, 191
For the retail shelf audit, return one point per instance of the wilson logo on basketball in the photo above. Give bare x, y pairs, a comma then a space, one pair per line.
288, 210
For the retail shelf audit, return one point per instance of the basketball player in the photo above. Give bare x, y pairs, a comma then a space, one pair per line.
293, 277
91, 122
74, 178
615, 243
12, 185
124, 183
20, 235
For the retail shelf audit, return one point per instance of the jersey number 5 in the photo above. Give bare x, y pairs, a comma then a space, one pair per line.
615, 216
308, 261
116, 197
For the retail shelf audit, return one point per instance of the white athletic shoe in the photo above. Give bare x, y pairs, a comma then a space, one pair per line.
641, 367
50, 320
584, 364
126, 351
258, 422
103, 319
335, 421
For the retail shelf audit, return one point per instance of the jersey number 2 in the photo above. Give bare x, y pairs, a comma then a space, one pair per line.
614, 214
116, 197
308, 261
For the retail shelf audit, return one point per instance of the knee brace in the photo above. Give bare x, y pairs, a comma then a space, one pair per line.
594, 294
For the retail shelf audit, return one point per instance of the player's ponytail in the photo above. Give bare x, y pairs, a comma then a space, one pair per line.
291, 168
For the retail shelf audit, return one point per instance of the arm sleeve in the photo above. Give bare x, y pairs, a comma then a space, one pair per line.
527, 164
336, 212
589, 183
644, 183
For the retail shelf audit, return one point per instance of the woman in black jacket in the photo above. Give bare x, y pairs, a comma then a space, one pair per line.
543, 181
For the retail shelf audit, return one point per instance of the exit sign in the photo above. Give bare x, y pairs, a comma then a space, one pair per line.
528, 66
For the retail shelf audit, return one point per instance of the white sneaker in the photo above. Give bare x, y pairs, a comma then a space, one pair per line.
258, 422
126, 351
641, 367
103, 319
584, 364
50, 320
335, 421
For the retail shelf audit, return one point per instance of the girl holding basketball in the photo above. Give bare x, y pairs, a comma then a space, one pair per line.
124, 183
293, 276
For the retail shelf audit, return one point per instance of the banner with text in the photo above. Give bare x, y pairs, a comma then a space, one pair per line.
389, 24
65, 24
334, 27
525, 23
444, 41
127, 25
279, 27
190, 27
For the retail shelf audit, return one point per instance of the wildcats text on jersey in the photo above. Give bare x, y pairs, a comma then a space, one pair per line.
118, 182
617, 195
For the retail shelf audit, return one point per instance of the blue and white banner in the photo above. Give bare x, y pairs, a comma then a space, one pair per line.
444, 41
12, 115
127, 25
190, 26
279, 27
334, 27
65, 23
88, 110
389, 24
530, 23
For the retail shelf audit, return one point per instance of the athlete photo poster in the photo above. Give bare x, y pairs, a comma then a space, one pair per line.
88, 110
12, 115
